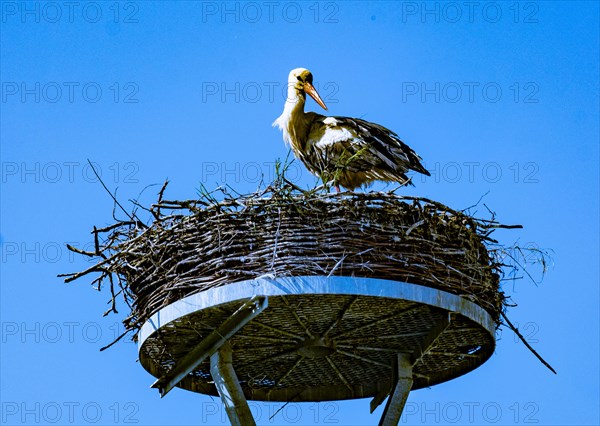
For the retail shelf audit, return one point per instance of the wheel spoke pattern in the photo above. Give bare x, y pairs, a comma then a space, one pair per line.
310, 347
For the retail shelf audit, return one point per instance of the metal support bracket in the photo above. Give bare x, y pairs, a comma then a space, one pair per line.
402, 377
211, 343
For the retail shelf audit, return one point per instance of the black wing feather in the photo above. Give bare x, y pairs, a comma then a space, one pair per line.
383, 140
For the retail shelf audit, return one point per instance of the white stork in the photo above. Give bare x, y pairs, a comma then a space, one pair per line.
345, 151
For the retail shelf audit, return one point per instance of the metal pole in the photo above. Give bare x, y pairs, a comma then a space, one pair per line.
228, 385
397, 400
402, 376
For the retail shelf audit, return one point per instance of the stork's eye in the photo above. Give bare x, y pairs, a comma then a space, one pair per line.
299, 79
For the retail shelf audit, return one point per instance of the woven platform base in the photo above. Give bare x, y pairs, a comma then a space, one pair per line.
340, 343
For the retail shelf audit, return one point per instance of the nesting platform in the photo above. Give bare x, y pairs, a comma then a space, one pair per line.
323, 338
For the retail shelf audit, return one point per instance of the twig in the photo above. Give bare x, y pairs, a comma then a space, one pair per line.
115, 341
477, 203
80, 251
533, 351
284, 405
107, 190
74, 276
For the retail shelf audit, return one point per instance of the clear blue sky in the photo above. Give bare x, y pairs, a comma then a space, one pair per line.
498, 97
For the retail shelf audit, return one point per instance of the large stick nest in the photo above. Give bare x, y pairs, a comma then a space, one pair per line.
282, 231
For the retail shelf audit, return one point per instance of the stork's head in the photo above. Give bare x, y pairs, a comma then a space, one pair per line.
301, 80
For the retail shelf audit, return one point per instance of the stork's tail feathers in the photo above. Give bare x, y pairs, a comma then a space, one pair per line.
418, 167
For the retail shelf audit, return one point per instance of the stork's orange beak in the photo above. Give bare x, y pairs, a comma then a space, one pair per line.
310, 89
